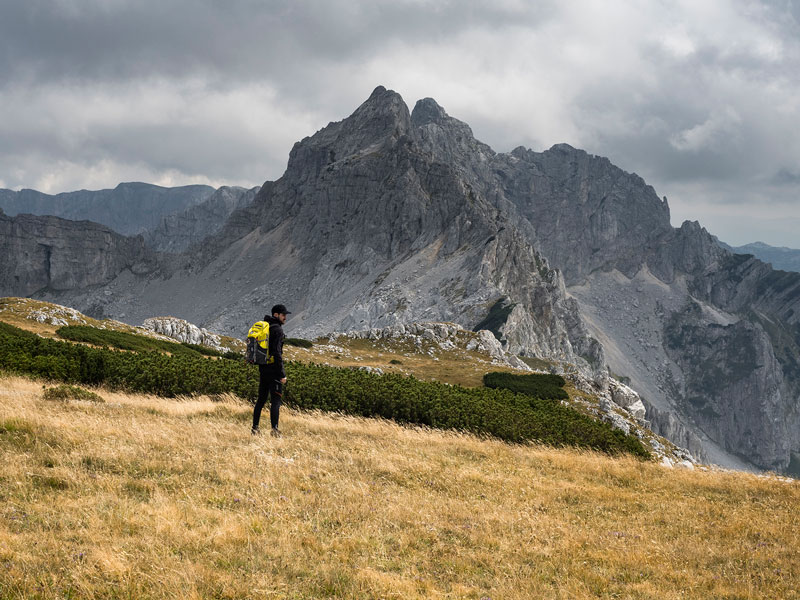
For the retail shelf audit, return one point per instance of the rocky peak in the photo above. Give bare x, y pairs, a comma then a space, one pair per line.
382, 118
427, 111
450, 140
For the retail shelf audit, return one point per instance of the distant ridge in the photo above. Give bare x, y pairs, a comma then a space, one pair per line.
129, 208
783, 258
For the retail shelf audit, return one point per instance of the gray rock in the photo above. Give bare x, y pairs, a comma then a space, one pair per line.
183, 331
51, 254
178, 231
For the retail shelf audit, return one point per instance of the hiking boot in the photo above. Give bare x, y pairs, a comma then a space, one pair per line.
255, 431
275, 432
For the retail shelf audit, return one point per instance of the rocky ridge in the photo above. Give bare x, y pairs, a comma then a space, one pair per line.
432, 338
781, 258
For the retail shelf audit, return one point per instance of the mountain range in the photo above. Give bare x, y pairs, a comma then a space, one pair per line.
394, 216
782, 258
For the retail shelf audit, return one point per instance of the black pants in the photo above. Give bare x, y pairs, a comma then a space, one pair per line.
272, 388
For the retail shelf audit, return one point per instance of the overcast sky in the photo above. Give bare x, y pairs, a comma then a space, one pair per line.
699, 97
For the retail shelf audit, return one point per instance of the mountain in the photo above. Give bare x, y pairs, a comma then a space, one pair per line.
391, 217
129, 208
177, 231
785, 259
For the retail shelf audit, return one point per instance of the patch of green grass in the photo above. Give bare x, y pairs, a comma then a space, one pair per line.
70, 392
204, 350
536, 363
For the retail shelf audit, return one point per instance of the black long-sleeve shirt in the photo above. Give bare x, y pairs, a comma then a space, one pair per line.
276, 337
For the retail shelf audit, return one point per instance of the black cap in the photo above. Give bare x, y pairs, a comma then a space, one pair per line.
280, 309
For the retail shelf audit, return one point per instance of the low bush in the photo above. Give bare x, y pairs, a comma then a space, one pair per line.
204, 350
538, 385
127, 341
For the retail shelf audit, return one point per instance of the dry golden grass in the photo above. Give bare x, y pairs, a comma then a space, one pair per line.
141, 497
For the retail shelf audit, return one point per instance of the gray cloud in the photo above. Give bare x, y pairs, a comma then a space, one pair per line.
701, 99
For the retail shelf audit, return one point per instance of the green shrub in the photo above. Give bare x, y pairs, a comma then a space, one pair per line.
204, 350
70, 392
538, 385
128, 341
394, 361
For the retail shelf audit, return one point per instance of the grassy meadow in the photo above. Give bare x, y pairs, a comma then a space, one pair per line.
145, 497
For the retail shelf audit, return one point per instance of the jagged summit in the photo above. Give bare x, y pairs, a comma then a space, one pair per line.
427, 111
383, 117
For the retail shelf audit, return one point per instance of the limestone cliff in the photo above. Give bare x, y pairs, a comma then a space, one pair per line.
49, 254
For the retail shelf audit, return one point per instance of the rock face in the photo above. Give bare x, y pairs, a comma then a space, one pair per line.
393, 217
177, 232
42, 254
130, 208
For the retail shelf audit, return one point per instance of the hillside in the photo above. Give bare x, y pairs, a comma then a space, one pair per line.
138, 496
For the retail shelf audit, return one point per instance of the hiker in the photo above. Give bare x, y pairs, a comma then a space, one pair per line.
272, 376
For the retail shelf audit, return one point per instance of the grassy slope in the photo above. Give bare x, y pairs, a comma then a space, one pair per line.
146, 497
21, 313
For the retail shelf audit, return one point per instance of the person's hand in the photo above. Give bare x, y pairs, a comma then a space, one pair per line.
283, 380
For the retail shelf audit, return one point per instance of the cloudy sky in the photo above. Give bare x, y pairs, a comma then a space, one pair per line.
699, 97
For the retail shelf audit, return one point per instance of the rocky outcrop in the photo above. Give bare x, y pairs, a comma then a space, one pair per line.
130, 208
177, 232
41, 254
183, 331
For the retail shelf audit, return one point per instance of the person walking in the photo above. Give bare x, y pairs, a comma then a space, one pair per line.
272, 376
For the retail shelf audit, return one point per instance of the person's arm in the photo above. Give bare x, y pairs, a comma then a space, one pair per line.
276, 348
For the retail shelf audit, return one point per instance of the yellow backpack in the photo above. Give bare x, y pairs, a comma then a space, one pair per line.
258, 344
